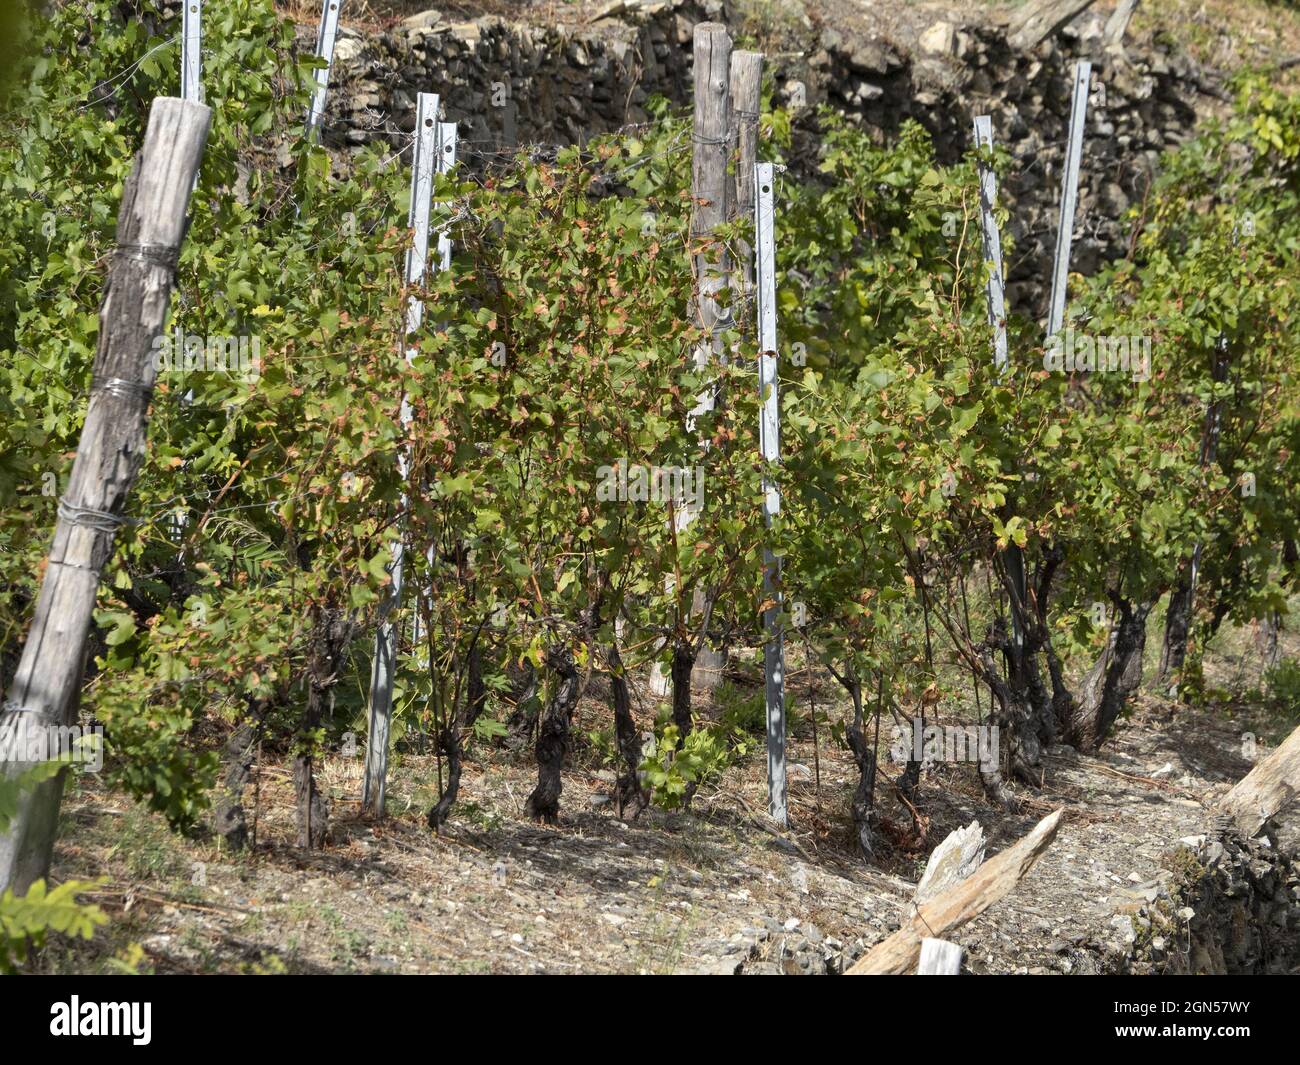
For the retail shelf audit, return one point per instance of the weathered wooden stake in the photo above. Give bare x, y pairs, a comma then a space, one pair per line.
329, 28
769, 442
423, 165
962, 902
150, 227
745, 79
1266, 790
1037, 20
1117, 24
713, 195
746, 103
711, 191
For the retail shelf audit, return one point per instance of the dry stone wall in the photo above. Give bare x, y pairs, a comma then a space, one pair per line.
508, 84
1233, 906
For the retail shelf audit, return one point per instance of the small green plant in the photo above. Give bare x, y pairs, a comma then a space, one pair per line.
1282, 683
671, 771
742, 710
26, 920
1280, 696
486, 729
601, 741
480, 815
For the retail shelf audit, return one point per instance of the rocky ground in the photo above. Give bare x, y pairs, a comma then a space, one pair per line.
717, 890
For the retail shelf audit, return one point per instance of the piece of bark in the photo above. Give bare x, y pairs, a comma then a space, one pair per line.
1267, 789
992, 881
1117, 24
951, 862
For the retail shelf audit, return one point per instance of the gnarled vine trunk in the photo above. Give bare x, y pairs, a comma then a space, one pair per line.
1062, 697
331, 633
1013, 717
1178, 623
864, 755
628, 788
454, 720
683, 664
229, 820
523, 690
1113, 679
553, 736
449, 743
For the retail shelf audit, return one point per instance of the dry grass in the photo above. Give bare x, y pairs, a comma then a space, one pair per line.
1227, 34
378, 15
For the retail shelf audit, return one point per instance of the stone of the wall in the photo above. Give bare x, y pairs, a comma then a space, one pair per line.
506, 84
1231, 906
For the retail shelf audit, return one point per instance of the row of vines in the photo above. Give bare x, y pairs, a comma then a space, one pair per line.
241, 603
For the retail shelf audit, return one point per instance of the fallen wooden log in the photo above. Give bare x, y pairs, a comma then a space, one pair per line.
961, 903
1267, 789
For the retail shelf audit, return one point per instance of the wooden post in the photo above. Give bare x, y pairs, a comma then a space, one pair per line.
769, 442
329, 28
423, 165
150, 227
710, 189
746, 103
1069, 197
1037, 20
745, 79
1117, 24
192, 51
713, 195
745, 82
